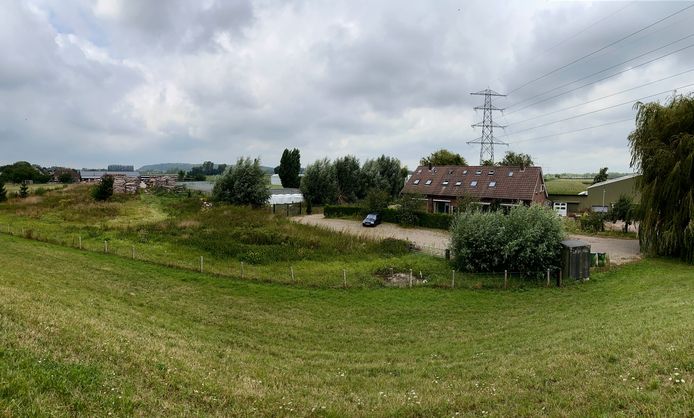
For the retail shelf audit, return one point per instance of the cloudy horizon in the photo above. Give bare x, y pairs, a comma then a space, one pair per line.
91, 83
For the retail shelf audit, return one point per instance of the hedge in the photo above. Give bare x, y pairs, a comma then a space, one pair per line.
426, 220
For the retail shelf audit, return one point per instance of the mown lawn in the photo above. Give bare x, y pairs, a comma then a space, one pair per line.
87, 334
567, 186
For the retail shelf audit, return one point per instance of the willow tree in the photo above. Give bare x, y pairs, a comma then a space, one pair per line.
662, 149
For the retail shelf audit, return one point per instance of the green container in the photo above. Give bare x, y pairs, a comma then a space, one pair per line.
602, 257
593, 259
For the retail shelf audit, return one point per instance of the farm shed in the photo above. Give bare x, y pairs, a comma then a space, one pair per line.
92, 176
601, 196
508, 186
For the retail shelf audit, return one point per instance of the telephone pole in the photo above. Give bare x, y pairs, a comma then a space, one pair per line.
487, 139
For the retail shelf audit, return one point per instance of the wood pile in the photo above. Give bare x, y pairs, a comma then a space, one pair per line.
125, 184
161, 182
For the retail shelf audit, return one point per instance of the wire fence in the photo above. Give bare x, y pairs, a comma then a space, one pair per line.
320, 275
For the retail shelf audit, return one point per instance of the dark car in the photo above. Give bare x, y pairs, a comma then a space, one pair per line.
372, 219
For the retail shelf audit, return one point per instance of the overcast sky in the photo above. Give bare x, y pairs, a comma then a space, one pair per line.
90, 83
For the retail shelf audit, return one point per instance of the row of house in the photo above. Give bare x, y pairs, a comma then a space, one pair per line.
442, 187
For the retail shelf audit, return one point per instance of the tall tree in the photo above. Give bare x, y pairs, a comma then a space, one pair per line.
623, 210
104, 189
601, 176
662, 149
347, 171
513, 159
208, 168
290, 167
383, 173
243, 184
319, 183
443, 157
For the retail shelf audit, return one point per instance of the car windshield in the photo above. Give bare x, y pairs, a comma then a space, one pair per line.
371, 216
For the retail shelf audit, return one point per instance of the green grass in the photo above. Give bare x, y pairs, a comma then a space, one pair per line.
567, 186
86, 334
177, 231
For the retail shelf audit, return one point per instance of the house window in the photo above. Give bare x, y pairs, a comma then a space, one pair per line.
450, 171
416, 181
464, 171
419, 171
458, 183
445, 182
510, 173
491, 172
492, 184
473, 184
478, 172
428, 182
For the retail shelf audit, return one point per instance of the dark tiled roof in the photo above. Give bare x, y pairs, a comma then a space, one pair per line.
492, 182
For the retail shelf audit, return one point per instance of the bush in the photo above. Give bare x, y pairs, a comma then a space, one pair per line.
319, 183
243, 184
376, 201
3, 192
407, 210
104, 189
527, 240
424, 219
331, 211
435, 220
23, 191
592, 222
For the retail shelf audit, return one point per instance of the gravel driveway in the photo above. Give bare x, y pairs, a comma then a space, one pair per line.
435, 241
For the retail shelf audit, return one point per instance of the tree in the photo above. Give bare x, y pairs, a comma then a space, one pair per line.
623, 210
376, 200
347, 171
181, 175
488, 163
319, 183
104, 189
662, 149
3, 192
408, 206
243, 184
290, 167
443, 157
208, 168
383, 173
517, 160
601, 176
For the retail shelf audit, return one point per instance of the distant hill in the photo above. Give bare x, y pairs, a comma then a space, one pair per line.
176, 167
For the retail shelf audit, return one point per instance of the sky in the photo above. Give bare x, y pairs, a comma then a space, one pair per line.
91, 83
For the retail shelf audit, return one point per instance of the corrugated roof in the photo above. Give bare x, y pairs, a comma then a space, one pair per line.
92, 174
618, 179
509, 183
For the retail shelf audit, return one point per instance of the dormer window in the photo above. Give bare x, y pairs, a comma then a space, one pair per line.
510, 173
428, 182
478, 172
450, 171
464, 171
419, 171
458, 183
473, 184
492, 184
491, 172
416, 181
445, 183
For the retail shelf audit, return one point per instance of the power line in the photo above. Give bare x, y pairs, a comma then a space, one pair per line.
601, 49
602, 79
588, 27
601, 71
574, 131
599, 110
603, 97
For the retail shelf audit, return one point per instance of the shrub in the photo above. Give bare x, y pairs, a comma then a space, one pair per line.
435, 220
104, 189
243, 184
331, 211
376, 200
23, 191
407, 210
319, 183
592, 222
3, 192
527, 240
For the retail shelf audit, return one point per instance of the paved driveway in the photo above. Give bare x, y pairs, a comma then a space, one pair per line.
435, 241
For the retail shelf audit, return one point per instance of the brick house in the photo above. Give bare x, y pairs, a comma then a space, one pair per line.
507, 186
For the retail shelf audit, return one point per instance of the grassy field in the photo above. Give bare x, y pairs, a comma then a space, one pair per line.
567, 186
33, 188
87, 334
178, 230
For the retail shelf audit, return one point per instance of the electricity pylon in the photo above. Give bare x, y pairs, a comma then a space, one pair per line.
487, 140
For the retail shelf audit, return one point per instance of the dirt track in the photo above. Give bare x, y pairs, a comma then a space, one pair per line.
436, 241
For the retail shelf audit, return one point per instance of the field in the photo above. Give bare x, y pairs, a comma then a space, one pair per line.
89, 334
178, 230
567, 186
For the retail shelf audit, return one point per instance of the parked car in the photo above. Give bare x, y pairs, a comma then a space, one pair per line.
372, 219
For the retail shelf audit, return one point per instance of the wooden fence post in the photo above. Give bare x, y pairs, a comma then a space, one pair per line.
291, 270
201, 264
505, 279
133, 252
344, 277
80, 239
547, 277
106, 246
242, 271
453, 279
410, 277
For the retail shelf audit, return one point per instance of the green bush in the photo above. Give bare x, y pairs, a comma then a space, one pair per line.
332, 211
527, 240
243, 184
592, 222
435, 220
424, 219
104, 189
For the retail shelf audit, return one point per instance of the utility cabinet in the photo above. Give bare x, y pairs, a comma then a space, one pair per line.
575, 259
